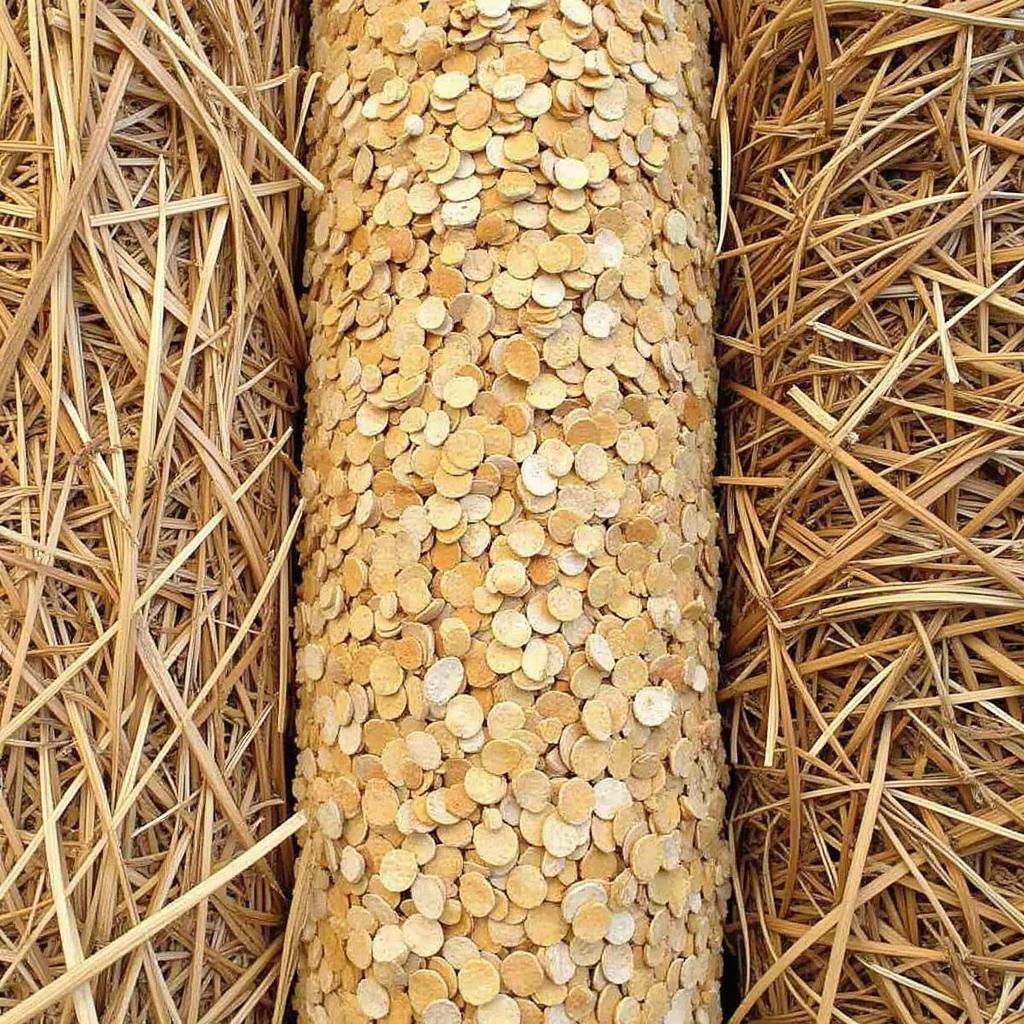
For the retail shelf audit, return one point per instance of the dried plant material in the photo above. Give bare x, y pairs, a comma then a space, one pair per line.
871, 340
510, 753
149, 340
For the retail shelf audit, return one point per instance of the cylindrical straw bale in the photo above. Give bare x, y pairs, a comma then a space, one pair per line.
510, 753
871, 353
150, 345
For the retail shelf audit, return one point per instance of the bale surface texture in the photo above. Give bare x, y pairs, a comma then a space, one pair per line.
871, 359
510, 752
149, 345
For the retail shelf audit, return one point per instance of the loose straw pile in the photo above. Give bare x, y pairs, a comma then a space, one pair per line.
510, 752
150, 336
874, 450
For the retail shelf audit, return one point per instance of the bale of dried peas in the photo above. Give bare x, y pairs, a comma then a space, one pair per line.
509, 749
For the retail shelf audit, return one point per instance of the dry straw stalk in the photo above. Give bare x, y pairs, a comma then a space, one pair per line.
149, 338
872, 351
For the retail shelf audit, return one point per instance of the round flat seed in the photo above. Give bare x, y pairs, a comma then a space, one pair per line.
526, 538
337, 89
571, 174
557, 456
484, 787
398, 870
479, 981
597, 720
621, 928
617, 964
526, 886
591, 463
647, 857
373, 999
422, 935
522, 359
565, 604
389, 946
460, 392
522, 973
578, 12
431, 314
511, 292
463, 716
534, 101
509, 87
496, 847
575, 801
560, 838
511, 628
536, 478
536, 656
600, 319
443, 1011
428, 896
554, 257
521, 148
548, 291
451, 85
591, 923
476, 894
426, 987
599, 652
502, 1009
652, 705
473, 110
546, 392
532, 790
444, 679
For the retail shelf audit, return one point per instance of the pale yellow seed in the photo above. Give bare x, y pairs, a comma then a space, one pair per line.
398, 870
478, 981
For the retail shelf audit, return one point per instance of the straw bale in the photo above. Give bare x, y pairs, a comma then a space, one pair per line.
149, 337
872, 331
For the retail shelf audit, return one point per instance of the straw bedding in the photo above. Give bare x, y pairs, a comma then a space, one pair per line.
871, 348
147, 393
